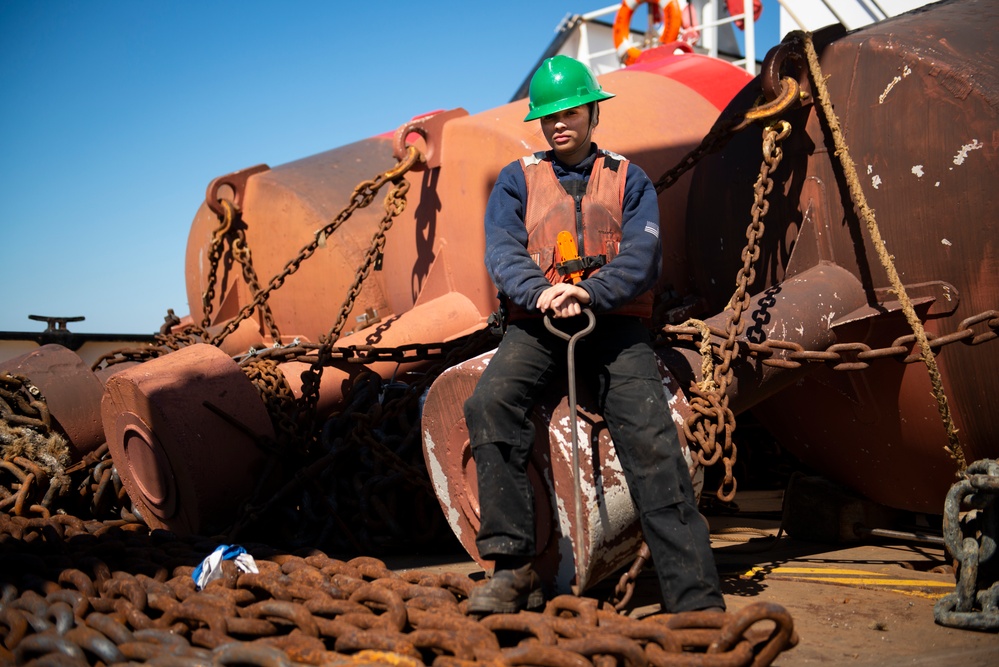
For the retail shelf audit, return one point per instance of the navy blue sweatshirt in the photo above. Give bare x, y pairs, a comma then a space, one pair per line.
632, 272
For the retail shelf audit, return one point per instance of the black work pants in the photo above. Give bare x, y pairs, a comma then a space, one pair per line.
617, 358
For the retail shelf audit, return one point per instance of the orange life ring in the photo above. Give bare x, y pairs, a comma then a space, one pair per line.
738, 7
626, 48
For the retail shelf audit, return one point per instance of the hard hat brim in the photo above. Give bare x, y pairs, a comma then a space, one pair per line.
561, 105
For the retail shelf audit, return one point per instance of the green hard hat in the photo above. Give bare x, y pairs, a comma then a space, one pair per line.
562, 83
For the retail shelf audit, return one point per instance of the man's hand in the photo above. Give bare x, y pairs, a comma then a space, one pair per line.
563, 300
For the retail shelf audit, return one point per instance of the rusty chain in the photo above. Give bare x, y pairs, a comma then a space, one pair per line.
226, 216
712, 423
241, 251
779, 94
172, 336
839, 356
232, 228
971, 533
35, 487
21, 403
91, 592
717, 137
395, 204
362, 196
366, 472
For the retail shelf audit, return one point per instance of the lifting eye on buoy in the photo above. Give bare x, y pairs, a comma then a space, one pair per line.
667, 10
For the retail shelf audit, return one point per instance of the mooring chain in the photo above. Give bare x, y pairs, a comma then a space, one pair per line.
717, 137
352, 354
380, 435
232, 228
43, 486
118, 593
170, 338
971, 533
625, 588
241, 251
362, 196
395, 204
226, 217
779, 94
277, 396
838, 356
21, 403
712, 423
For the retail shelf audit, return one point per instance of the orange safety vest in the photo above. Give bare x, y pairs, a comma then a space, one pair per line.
596, 224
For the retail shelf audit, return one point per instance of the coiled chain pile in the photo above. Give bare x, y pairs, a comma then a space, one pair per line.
76, 592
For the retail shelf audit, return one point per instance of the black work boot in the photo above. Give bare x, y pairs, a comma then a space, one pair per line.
507, 592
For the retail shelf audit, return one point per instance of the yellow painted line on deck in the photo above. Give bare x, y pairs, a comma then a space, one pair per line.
881, 582
790, 569
852, 577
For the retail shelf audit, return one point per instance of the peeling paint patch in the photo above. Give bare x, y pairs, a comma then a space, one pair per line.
894, 82
967, 148
439, 480
875, 179
917, 169
946, 242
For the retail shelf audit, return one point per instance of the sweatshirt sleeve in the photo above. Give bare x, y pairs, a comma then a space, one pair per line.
638, 264
515, 274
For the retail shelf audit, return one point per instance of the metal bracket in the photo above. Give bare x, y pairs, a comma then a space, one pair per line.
429, 128
237, 182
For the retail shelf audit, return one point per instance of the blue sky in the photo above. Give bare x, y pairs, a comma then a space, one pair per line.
116, 114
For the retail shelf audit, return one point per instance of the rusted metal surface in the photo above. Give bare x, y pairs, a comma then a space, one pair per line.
917, 100
800, 313
427, 290
429, 254
186, 432
609, 521
187, 457
70, 390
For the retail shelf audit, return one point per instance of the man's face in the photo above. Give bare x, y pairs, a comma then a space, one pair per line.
568, 133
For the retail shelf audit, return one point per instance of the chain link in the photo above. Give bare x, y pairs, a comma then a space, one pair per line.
395, 203
22, 404
712, 422
373, 443
971, 533
362, 196
214, 259
89, 592
840, 356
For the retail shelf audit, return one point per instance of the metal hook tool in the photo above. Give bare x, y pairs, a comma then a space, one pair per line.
576, 479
